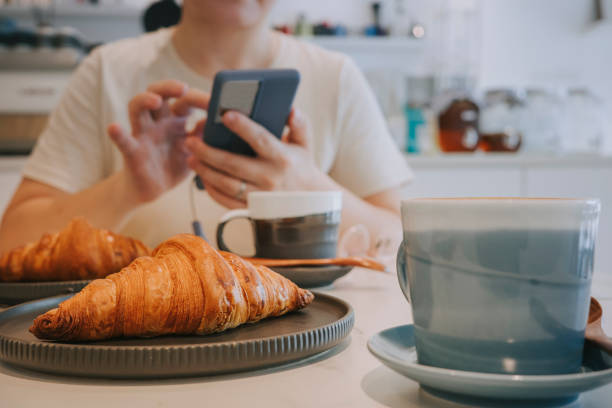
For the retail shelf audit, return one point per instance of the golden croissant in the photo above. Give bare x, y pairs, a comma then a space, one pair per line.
78, 252
186, 287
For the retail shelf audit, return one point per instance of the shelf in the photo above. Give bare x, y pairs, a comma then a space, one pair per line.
81, 10
508, 160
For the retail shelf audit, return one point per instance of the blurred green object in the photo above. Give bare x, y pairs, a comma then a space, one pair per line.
303, 27
414, 120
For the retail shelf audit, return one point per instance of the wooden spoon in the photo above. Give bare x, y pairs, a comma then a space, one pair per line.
353, 260
594, 331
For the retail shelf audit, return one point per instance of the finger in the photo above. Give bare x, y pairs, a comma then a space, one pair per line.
168, 88
176, 127
258, 137
230, 186
235, 165
193, 98
198, 130
139, 110
222, 199
181, 147
285, 136
299, 132
125, 143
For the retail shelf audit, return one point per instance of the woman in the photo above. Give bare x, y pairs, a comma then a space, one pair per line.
139, 184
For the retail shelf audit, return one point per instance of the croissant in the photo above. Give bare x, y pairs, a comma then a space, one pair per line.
186, 287
78, 252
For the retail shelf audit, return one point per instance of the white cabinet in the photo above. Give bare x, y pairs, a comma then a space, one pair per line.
464, 182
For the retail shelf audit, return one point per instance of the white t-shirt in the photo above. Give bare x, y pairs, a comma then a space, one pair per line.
350, 137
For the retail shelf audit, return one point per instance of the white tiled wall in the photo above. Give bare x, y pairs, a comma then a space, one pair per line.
546, 42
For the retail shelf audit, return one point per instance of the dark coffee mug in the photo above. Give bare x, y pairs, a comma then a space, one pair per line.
290, 224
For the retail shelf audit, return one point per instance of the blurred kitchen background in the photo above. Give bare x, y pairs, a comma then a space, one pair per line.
486, 97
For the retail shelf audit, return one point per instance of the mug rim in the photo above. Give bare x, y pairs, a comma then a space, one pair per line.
503, 201
530, 199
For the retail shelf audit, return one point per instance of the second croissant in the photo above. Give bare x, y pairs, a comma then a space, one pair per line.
77, 252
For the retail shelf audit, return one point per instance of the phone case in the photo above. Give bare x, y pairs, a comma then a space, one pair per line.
265, 96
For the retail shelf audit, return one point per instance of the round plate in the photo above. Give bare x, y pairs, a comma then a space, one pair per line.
294, 336
313, 276
12, 293
395, 348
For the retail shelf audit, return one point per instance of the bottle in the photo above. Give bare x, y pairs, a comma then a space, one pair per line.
419, 92
415, 118
302, 27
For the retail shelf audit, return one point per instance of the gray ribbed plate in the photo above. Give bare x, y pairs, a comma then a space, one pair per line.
12, 293
313, 276
294, 336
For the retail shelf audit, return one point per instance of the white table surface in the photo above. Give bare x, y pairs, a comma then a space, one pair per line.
350, 377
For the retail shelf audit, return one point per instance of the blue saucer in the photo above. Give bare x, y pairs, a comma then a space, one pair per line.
395, 348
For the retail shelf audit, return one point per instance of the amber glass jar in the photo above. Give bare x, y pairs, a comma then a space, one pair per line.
458, 126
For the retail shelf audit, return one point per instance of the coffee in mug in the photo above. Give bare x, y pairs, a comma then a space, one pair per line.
499, 285
290, 224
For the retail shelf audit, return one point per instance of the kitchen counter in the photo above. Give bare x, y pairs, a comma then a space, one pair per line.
518, 160
12, 163
348, 377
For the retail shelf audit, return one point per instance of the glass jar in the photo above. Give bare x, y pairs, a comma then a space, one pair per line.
542, 121
500, 121
584, 122
458, 125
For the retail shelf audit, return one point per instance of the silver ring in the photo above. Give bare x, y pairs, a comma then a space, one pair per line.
241, 190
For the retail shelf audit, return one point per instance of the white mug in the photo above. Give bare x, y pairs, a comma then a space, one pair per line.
290, 224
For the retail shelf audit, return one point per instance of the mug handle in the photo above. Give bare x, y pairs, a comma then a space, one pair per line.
227, 217
401, 271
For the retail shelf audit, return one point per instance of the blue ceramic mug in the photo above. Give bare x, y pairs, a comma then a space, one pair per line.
499, 285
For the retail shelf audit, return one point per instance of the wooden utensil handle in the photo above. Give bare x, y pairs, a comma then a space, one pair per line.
353, 261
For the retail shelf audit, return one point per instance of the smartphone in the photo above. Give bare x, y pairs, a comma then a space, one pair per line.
265, 96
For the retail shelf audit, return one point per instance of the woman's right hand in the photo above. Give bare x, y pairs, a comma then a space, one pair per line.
155, 158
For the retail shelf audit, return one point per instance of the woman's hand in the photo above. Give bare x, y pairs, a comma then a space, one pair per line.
279, 165
154, 153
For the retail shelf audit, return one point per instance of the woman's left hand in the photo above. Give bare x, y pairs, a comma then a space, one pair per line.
279, 165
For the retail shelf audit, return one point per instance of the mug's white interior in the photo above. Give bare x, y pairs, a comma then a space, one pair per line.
280, 204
